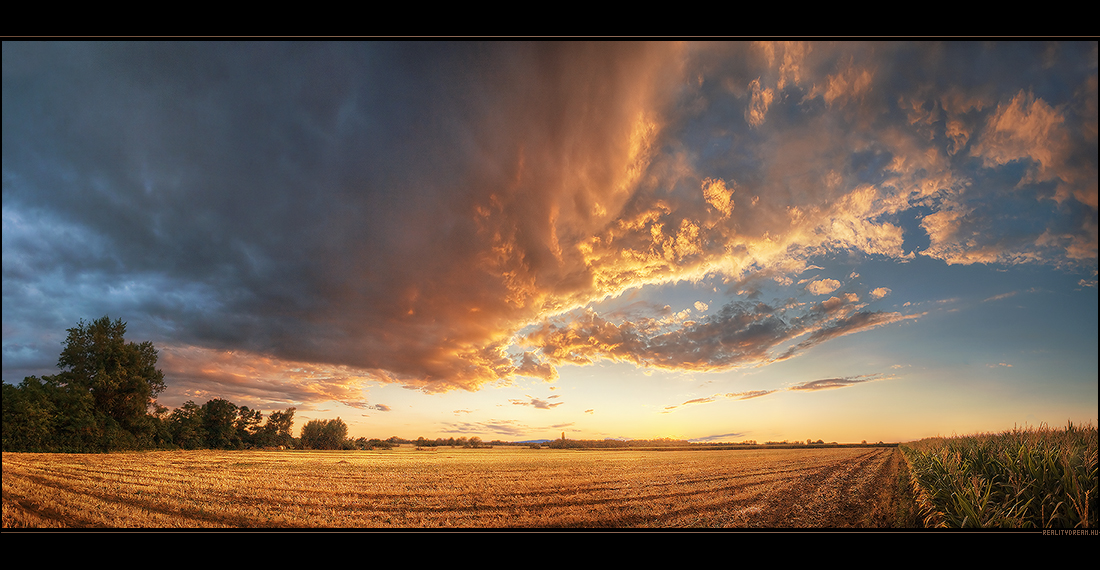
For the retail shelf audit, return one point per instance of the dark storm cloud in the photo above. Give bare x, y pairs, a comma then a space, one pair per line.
378, 205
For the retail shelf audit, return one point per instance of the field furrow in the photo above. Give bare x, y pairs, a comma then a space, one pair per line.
486, 488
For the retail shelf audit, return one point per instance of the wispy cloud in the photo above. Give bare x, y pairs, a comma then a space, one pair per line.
750, 394
537, 403
832, 383
506, 428
811, 385
367, 406
722, 437
717, 397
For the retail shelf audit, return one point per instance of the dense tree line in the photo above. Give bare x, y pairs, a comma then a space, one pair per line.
104, 399
219, 424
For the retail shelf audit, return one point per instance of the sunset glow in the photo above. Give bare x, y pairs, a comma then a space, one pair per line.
707, 241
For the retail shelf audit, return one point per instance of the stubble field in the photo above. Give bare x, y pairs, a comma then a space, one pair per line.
461, 488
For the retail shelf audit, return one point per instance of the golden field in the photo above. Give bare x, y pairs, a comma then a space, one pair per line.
507, 487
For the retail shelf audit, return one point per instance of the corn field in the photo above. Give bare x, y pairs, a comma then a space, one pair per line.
1024, 478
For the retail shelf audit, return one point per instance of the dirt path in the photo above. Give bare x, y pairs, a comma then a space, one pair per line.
860, 493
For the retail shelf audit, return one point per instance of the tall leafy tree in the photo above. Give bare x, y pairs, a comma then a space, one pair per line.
335, 434
311, 434
324, 434
30, 416
276, 430
100, 401
121, 377
185, 426
248, 425
219, 421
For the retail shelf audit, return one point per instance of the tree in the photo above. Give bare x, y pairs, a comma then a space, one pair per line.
121, 377
324, 434
248, 425
100, 401
30, 416
335, 434
219, 419
276, 431
185, 426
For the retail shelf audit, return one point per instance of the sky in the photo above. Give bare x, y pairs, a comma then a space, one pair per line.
728, 241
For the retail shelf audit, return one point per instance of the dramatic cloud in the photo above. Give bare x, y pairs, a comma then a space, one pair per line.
739, 334
294, 220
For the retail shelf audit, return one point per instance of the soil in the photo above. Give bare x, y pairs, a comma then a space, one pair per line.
862, 493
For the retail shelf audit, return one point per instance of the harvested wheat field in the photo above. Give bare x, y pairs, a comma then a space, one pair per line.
472, 488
